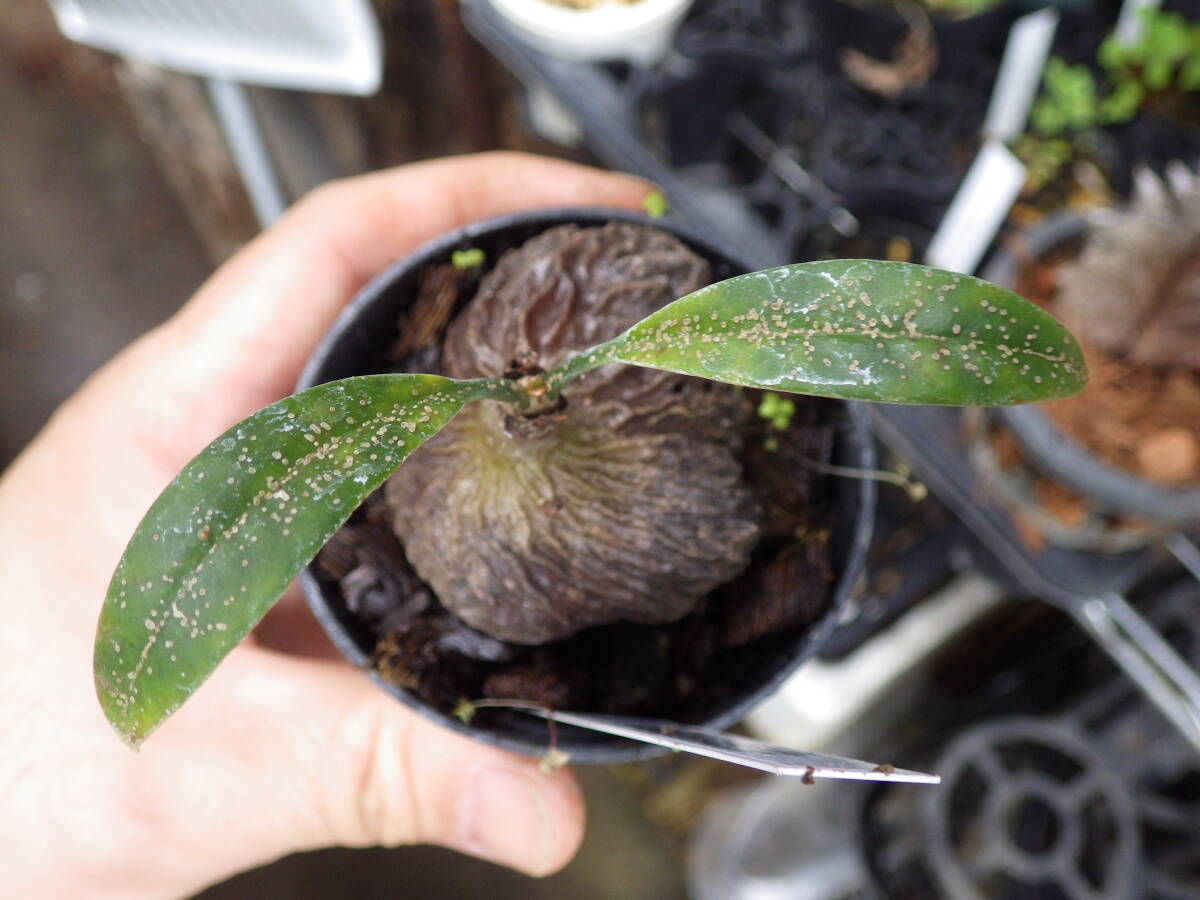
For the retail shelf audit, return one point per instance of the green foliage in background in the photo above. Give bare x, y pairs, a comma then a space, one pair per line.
1074, 103
959, 9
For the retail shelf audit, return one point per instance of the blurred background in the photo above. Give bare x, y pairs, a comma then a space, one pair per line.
1027, 626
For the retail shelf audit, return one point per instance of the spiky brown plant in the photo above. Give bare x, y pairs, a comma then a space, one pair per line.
1135, 290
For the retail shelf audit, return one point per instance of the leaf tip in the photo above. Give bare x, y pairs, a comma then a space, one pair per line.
131, 732
131, 740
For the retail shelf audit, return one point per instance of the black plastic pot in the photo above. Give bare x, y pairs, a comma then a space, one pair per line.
761, 31
907, 152
357, 344
1153, 141
1111, 489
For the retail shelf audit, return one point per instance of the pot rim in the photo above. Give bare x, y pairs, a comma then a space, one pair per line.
853, 439
1047, 446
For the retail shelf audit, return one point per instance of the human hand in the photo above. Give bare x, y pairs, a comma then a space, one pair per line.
279, 751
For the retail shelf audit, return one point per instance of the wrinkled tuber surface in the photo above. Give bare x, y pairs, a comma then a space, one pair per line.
627, 504
682, 670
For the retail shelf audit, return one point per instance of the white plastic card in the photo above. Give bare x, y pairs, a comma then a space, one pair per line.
1020, 74
978, 209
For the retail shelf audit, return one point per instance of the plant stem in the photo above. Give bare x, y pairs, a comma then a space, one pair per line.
915, 489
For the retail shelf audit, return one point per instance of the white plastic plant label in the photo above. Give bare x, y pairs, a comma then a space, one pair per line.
978, 209
1020, 73
1129, 24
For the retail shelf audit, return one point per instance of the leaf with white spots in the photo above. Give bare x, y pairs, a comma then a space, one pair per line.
220, 544
860, 330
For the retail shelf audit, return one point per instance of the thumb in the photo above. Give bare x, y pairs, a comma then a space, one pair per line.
348, 765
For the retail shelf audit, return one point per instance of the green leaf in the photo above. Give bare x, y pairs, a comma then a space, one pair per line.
862, 330
1157, 73
226, 537
1189, 73
1113, 53
1122, 104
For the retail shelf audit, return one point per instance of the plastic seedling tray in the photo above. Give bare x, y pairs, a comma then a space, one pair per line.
764, 203
592, 92
930, 438
605, 99
750, 136
1064, 744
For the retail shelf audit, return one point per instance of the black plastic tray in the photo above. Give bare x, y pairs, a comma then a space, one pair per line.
845, 148
606, 99
930, 438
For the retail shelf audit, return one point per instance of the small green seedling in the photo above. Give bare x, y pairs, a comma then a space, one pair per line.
777, 410
655, 204
467, 259
1165, 57
220, 544
1074, 103
464, 711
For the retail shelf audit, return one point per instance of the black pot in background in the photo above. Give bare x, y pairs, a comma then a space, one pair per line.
1153, 141
764, 32
1111, 489
912, 148
357, 344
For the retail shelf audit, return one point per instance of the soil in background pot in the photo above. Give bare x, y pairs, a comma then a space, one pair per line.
1141, 419
678, 669
888, 47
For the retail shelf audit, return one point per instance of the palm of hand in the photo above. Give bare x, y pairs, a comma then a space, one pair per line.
279, 751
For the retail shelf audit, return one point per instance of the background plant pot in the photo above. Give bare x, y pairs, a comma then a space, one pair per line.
764, 31
358, 342
1049, 449
639, 32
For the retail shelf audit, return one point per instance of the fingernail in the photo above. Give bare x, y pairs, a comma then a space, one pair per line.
504, 816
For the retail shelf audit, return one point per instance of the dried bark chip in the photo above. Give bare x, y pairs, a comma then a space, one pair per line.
1170, 455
